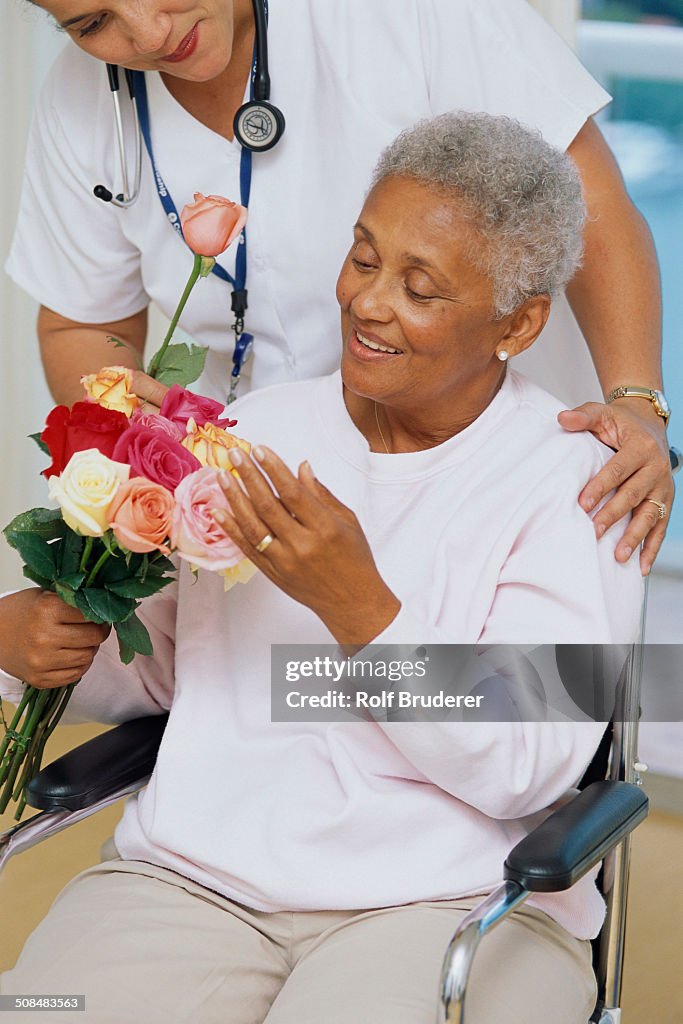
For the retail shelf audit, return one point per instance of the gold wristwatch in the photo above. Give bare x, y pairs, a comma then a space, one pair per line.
658, 398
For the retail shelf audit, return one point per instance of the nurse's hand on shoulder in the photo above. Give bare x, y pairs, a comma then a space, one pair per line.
318, 553
45, 642
639, 472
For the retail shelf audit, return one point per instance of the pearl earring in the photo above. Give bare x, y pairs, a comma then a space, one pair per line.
502, 355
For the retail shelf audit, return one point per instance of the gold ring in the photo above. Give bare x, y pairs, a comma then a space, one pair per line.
661, 508
263, 544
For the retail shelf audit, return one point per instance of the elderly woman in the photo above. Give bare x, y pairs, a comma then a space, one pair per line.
315, 871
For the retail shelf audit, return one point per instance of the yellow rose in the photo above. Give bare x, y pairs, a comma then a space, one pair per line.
211, 444
241, 573
85, 488
111, 388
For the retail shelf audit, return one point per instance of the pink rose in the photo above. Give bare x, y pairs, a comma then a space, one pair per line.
155, 455
154, 421
180, 405
140, 516
195, 533
211, 223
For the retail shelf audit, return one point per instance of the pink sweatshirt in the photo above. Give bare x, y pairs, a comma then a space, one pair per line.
482, 540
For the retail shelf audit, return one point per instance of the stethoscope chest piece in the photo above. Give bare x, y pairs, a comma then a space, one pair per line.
258, 125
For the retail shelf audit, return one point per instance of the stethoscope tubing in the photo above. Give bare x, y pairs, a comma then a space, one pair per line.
260, 96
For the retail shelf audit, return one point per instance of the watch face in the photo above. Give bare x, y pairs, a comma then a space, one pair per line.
662, 402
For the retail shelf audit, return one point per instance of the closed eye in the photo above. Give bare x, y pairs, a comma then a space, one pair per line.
93, 26
419, 297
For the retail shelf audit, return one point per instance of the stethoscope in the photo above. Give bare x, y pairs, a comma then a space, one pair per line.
258, 125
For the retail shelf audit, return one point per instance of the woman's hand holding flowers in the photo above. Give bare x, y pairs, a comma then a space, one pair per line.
319, 554
44, 641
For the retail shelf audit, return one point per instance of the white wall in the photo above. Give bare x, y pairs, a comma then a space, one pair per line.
27, 45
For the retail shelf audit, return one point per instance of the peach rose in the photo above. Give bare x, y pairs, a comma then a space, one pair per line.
211, 444
140, 516
112, 389
211, 223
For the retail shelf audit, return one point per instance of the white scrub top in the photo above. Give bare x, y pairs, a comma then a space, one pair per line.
348, 77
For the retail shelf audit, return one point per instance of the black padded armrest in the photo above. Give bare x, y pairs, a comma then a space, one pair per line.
575, 837
100, 767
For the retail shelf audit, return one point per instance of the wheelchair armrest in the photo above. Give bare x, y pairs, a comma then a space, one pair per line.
576, 837
100, 767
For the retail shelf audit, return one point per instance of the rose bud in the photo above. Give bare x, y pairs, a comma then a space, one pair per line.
211, 223
112, 388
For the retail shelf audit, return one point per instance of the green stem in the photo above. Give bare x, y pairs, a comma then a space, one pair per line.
155, 362
96, 568
13, 725
26, 773
86, 554
36, 704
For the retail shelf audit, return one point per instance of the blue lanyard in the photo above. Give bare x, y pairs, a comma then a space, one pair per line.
243, 341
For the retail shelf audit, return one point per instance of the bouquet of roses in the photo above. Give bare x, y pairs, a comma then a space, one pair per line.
131, 488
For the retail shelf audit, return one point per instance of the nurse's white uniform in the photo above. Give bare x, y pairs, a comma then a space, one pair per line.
348, 76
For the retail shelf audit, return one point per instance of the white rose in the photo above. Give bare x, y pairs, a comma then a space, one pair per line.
85, 488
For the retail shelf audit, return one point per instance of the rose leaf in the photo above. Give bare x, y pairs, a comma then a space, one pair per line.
41, 444
44, 522
73, 581
106, 606
133, 633
71, 550
36, 578
137, 587
69, 596
181, 364
36, 553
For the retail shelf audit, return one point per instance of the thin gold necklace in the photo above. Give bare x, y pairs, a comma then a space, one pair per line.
386, 446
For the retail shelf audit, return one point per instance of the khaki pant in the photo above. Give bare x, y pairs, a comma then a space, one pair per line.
147, 946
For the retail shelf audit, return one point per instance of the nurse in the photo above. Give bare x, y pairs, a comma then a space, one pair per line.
347, 77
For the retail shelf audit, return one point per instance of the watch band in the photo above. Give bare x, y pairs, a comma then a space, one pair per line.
657, 398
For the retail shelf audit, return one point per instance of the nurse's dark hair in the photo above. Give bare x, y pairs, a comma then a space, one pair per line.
520, 195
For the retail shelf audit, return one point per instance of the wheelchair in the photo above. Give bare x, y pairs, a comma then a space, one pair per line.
593, 827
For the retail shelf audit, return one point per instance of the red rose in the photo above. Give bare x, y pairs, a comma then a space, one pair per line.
86, 425
179, 405
155, 455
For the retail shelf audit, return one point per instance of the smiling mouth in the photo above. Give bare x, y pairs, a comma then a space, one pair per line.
185, 47
375, 346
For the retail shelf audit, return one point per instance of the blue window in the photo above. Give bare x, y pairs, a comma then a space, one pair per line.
635, 49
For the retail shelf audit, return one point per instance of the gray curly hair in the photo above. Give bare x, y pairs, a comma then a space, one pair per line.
522, 197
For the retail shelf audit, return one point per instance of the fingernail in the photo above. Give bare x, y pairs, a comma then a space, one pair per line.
258, 453
235, 456
626, 552
587, 504
600, 530
308, 467
225, 477
216, 512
